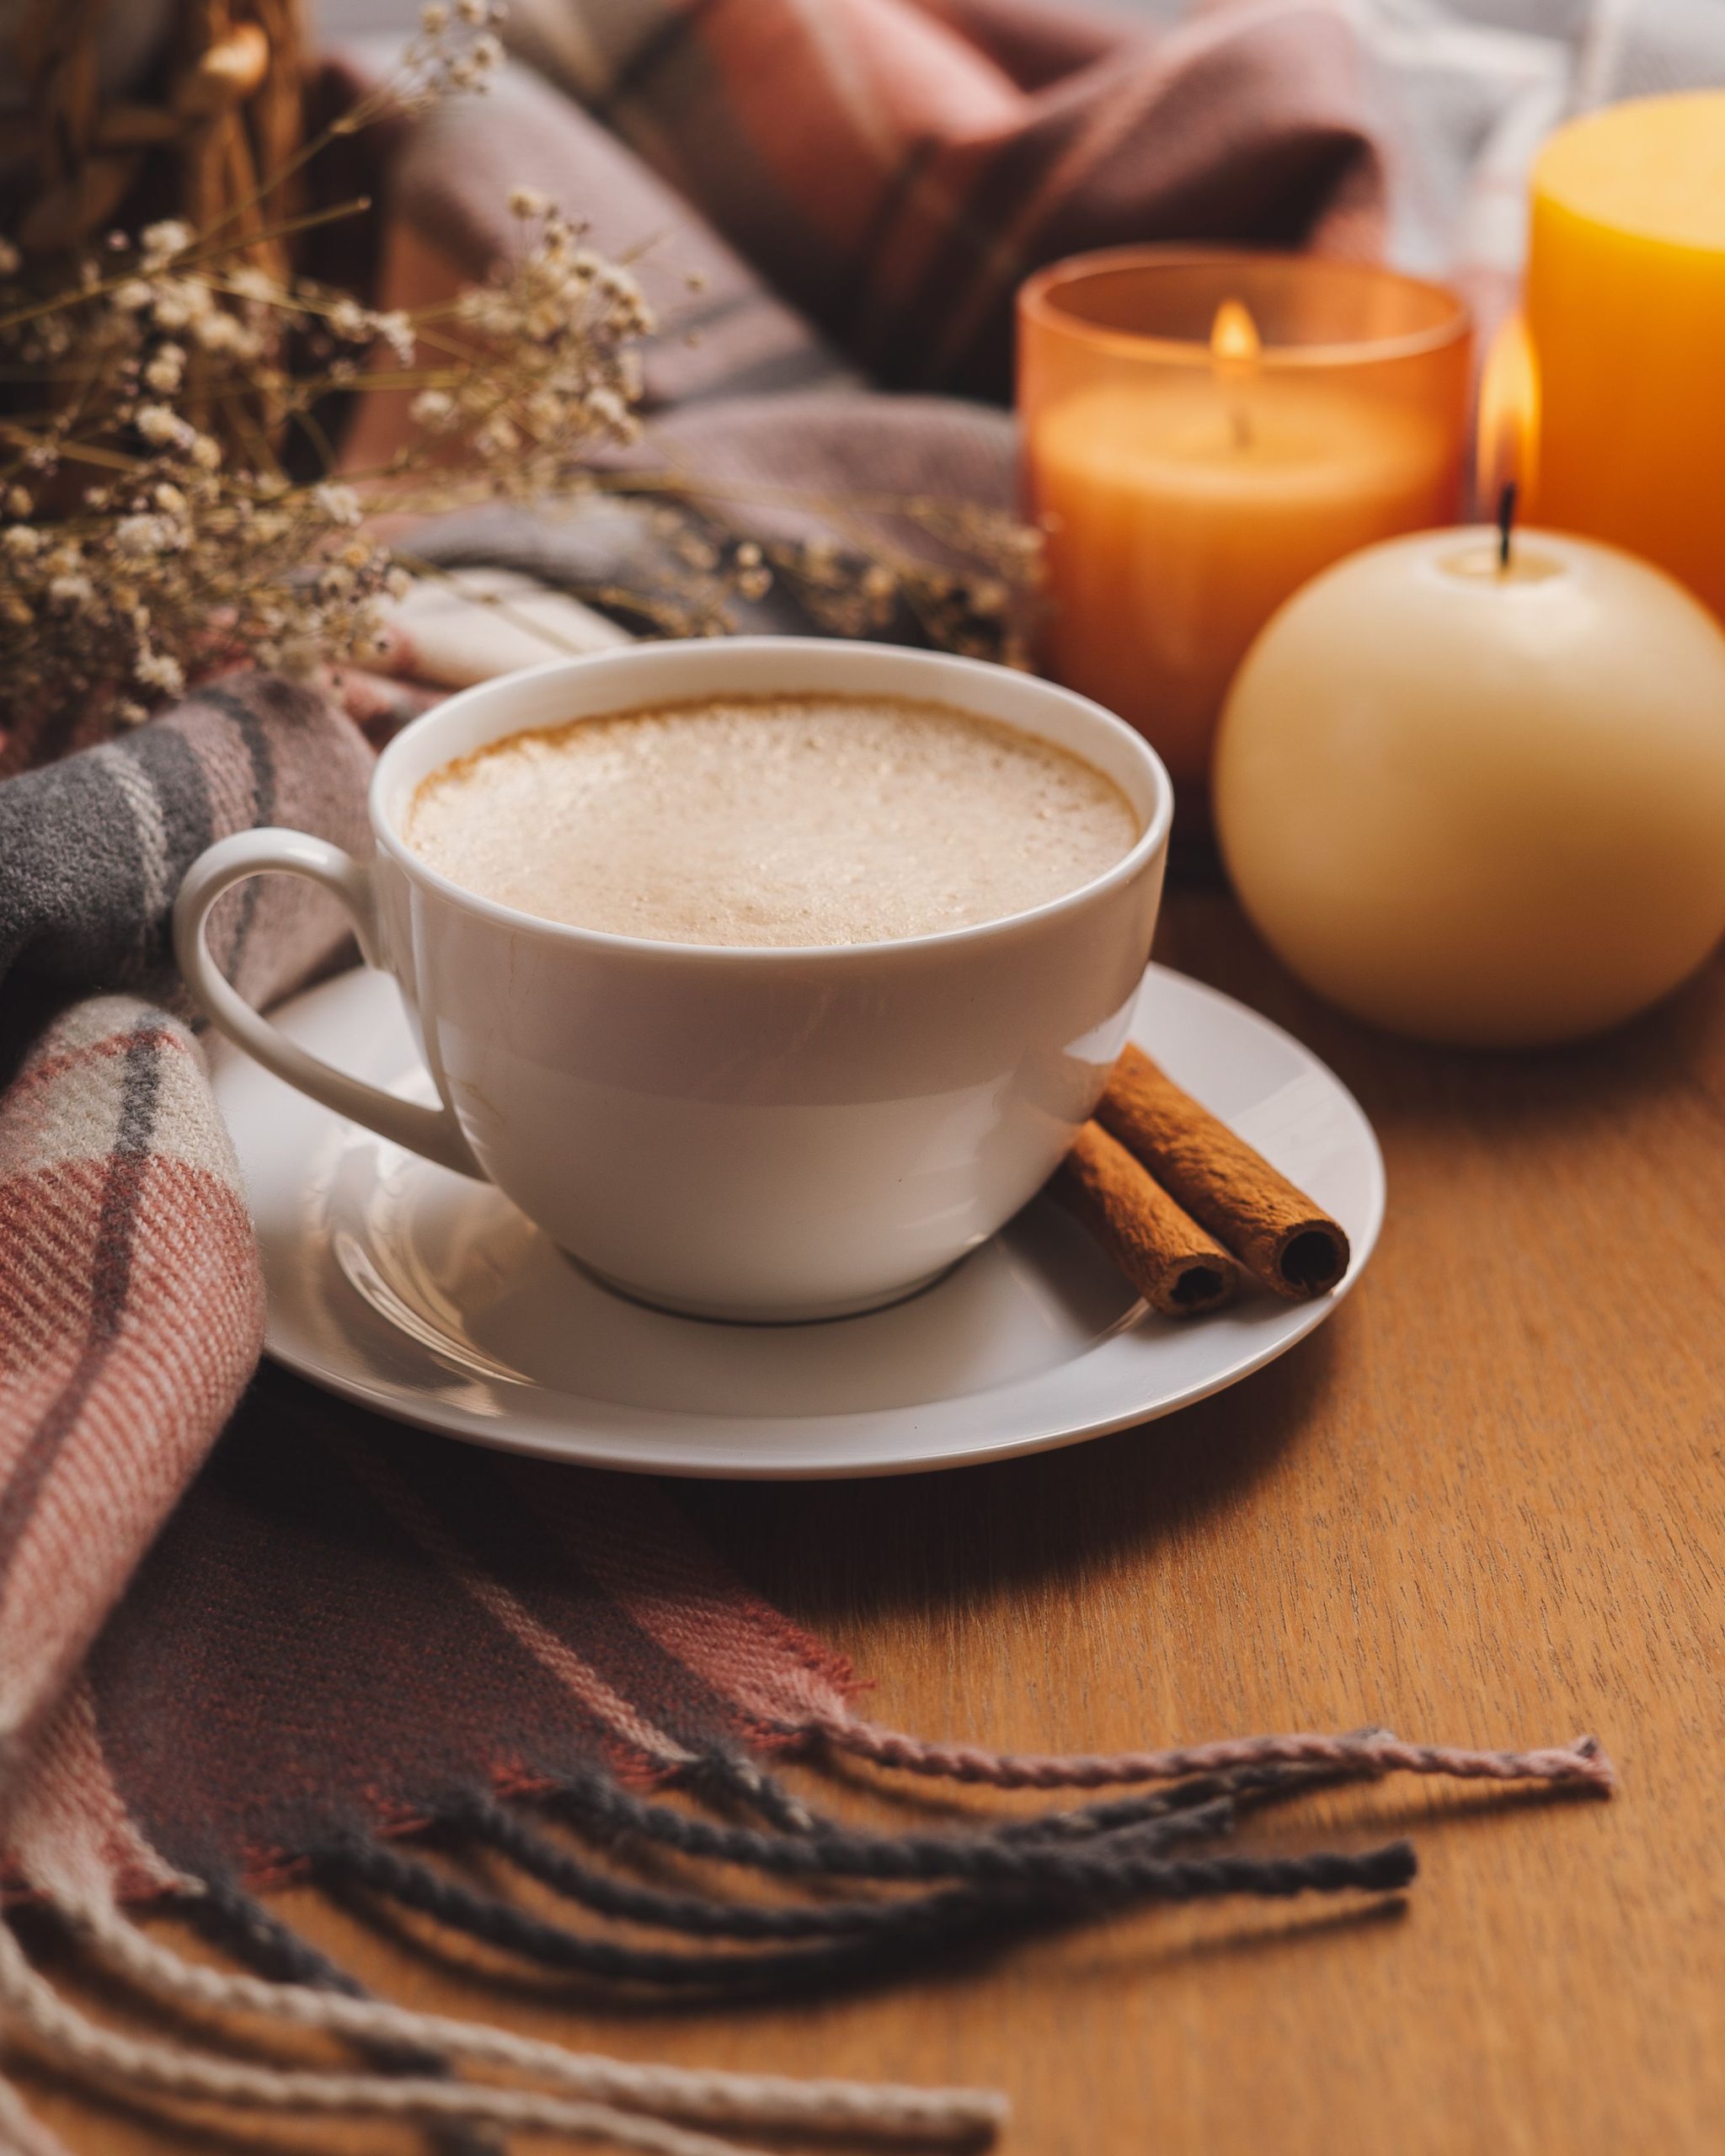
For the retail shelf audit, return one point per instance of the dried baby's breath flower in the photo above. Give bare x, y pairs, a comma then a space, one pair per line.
455, 49
183, 376
163, 369
340, 505
347, 319
157, 671
158, 243
143, 534
434, 409
213, 331
396, 330
160, 425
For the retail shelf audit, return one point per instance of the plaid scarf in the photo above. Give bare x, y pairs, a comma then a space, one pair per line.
899, 168
327, 1648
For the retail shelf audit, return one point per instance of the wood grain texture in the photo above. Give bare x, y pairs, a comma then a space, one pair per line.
1486, 1504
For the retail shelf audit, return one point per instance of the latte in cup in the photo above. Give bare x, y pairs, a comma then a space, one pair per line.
782, 1093
772, 821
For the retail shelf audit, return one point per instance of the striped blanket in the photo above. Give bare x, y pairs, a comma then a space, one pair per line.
247, 1633
897, 166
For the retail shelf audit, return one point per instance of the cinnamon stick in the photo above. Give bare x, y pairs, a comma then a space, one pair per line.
1167, 1256
1273, 1229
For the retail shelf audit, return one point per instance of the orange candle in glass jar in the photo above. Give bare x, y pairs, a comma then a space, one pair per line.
1202, 434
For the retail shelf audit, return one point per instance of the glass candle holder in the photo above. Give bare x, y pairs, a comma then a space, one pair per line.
1203, 432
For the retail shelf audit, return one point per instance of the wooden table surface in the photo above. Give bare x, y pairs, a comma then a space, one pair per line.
1486, 1504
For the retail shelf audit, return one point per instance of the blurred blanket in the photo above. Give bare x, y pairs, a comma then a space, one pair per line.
896, 168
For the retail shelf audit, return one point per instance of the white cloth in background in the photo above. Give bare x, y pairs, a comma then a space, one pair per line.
470, 625
1470, 90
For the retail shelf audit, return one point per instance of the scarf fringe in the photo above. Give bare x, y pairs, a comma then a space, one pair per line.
1014, 1852
1073, 1886
20, 2131
1583, 1763
176, 2070
267, 1948
498, 1828
943, 1889
607, 2100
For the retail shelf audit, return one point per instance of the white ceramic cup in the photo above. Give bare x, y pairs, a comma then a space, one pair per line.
735, 1133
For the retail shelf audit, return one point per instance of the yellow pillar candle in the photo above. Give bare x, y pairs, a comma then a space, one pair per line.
1479, 799
1626, 309
1201, 434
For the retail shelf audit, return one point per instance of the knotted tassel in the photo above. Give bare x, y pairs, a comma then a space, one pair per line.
270, 1947
169, 2069
925, 1919
21, 2132
879, 2110
1582, 1764
1082, 1880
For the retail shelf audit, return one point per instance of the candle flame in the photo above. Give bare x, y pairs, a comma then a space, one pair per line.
1234, 341
1508, 417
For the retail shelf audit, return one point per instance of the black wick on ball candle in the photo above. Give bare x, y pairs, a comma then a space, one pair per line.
1506, 522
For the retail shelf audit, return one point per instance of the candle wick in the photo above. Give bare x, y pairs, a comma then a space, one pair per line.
1239, 420
1506, 523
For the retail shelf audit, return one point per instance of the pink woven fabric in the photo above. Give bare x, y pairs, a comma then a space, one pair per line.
130, 1304
897, 166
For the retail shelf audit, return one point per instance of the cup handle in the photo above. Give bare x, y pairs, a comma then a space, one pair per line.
433, 1132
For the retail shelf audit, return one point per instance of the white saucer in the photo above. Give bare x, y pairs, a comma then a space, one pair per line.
432, 1299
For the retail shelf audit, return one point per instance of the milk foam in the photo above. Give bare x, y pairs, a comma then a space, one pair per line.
773, 821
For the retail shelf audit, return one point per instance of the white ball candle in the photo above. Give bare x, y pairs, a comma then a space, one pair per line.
1477, 801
